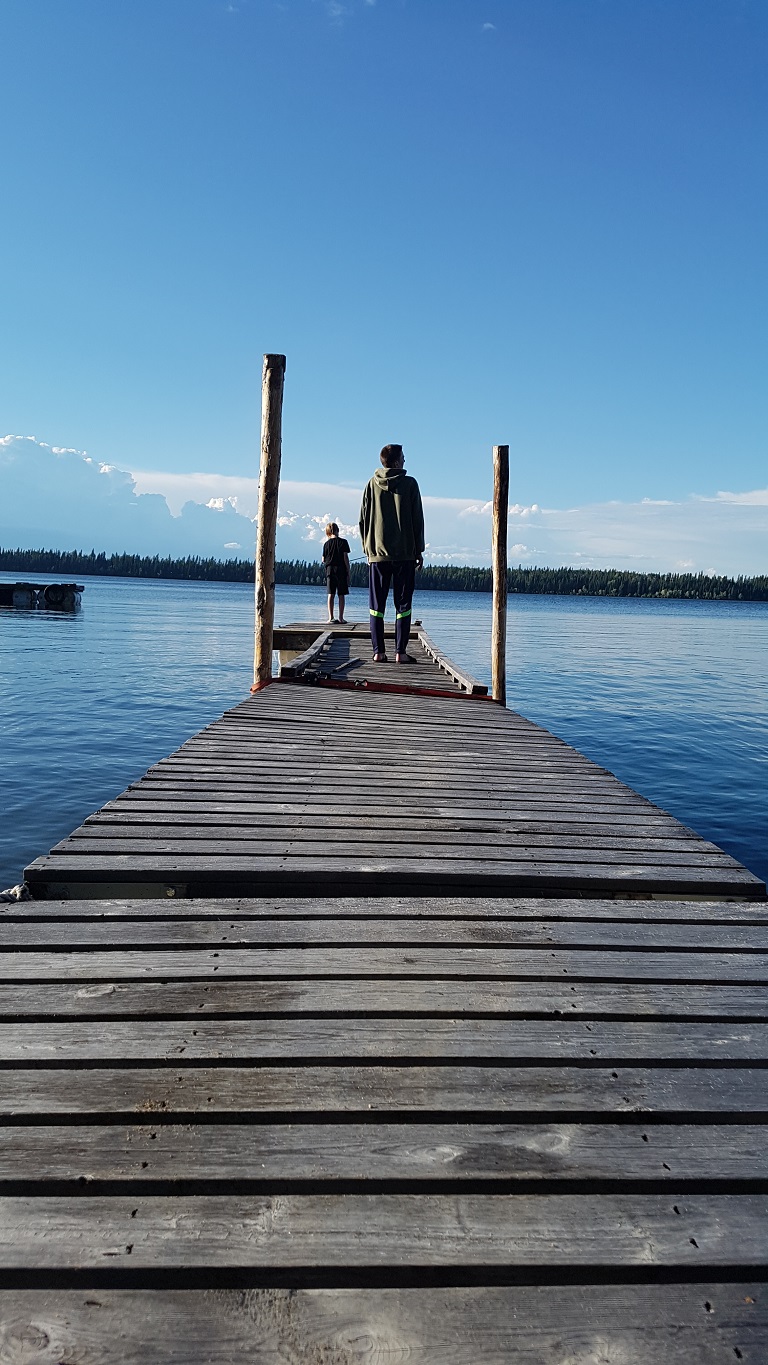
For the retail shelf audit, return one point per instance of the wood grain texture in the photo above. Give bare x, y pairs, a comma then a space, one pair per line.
272, 384
702, 1324
489, 1231
372, 996
423, 932
360, 908
555, 964
290, 1039
155, 1093
414, 1153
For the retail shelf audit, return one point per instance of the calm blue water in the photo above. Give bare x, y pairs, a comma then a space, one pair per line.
670, 696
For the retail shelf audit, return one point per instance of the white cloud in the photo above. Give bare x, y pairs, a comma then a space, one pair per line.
57, 497
180, 488
757, 498
489, 28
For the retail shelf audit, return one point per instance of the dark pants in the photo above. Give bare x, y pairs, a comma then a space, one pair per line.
401, 573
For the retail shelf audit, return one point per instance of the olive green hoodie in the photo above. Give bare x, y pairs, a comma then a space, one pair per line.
391, 517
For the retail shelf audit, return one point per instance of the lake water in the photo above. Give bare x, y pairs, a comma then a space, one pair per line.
670, 696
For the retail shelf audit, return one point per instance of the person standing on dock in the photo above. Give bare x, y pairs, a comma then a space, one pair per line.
392, 533
336, 565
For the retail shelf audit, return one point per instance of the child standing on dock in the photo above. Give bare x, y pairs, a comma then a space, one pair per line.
392, 532
336, 564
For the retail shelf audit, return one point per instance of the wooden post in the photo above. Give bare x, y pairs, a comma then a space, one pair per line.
273, 378
499, 558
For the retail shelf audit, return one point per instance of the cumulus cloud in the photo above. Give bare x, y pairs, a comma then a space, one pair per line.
57, 497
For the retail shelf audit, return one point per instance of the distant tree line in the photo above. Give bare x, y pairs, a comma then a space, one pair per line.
453, 578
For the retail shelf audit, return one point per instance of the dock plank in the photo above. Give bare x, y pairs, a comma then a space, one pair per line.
386, 1232
288, 1039
361, 908
414, 1154
704, 1324
461, 963
277, 933
158, 1094
371, 996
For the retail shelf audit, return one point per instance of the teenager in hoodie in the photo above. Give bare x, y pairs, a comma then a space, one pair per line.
392, 532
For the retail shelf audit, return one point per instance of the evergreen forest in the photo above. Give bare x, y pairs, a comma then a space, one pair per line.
452, 578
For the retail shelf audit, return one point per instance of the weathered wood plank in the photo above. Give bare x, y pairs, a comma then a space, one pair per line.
415, 1153
268, 933
109, 835
424, 932
302, 661
465, 842
558, 1092
440, 748
524, 762
702, 1324
247, 815
329, 784
358, 1231
251, 997
289, 1039
510, 963
360, 908
328, 867
440, 803
447, 665
305, 844
424, 777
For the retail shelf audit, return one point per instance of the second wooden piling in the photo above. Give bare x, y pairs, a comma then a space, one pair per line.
499, 561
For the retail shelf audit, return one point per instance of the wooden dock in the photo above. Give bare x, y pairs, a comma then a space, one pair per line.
340, 655
382, 1027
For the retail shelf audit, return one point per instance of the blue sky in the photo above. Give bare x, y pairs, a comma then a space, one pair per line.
464, 221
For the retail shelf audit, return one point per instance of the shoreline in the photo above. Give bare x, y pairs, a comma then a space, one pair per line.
557, 582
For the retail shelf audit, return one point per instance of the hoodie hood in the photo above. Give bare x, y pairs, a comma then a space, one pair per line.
389, 479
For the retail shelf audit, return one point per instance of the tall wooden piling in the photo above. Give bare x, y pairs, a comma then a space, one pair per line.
273, 379
499, 560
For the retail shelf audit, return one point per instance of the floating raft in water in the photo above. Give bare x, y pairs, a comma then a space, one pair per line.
50, 596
